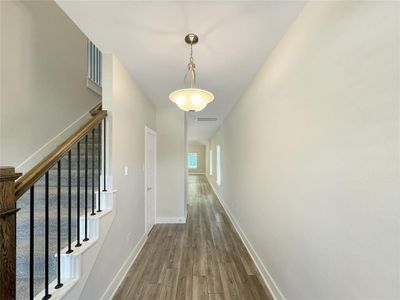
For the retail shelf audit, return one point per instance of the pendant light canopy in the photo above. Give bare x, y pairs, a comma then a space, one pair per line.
191, 98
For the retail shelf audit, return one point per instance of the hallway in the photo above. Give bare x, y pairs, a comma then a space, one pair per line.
203, 259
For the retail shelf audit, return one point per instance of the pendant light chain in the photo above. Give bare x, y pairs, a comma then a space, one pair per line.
191, 53
191, 68
190, 98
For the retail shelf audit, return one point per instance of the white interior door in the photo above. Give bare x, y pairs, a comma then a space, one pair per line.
150, 176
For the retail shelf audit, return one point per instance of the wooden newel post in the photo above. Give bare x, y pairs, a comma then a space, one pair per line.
8, 212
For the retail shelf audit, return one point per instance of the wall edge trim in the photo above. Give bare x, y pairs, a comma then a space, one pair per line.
121, 274
49, 146
170, 220
266, 276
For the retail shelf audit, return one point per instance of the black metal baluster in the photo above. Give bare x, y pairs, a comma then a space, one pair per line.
99, 166
69, 203
31, 243
104, 160
46, 239
59, 284
78, 196
86, 186
93, 213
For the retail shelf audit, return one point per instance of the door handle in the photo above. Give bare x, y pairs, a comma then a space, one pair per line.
149, 188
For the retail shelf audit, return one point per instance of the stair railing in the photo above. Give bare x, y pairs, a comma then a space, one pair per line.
12, 188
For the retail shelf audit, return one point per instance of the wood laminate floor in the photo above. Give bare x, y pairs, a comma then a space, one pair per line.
202, 259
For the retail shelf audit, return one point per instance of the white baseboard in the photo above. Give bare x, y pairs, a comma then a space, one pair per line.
269, 281
171, 220
47, 148
120, 276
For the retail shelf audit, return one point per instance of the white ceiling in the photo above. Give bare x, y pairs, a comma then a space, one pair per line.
147, 37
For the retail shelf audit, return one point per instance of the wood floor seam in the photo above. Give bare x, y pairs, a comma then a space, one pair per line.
204, 259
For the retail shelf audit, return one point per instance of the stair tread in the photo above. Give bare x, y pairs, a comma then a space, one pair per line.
23, 234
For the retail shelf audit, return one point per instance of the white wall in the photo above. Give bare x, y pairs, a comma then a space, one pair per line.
171, 167
186, 168
43, 80
310, 155
201, 158
129, 112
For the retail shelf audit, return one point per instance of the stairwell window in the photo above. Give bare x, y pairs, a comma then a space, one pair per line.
218, 164
94, 66
192, 160
211, 163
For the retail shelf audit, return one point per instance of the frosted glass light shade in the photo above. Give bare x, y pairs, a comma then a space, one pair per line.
191, 99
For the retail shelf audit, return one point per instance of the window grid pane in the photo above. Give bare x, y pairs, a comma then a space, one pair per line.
192, 160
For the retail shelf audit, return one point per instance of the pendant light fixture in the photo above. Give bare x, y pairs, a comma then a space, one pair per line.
191, 98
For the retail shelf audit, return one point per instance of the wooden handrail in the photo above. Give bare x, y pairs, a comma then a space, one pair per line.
96, 109
29, 178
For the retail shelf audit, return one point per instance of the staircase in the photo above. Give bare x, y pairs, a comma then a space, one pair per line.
80, 228
23, 217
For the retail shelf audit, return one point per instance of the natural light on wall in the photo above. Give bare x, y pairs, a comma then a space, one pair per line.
218, 164
211, 163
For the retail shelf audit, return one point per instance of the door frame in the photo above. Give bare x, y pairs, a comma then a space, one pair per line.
148, 130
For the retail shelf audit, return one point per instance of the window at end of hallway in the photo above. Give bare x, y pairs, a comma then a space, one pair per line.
211, 162
192, 160
218, 164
